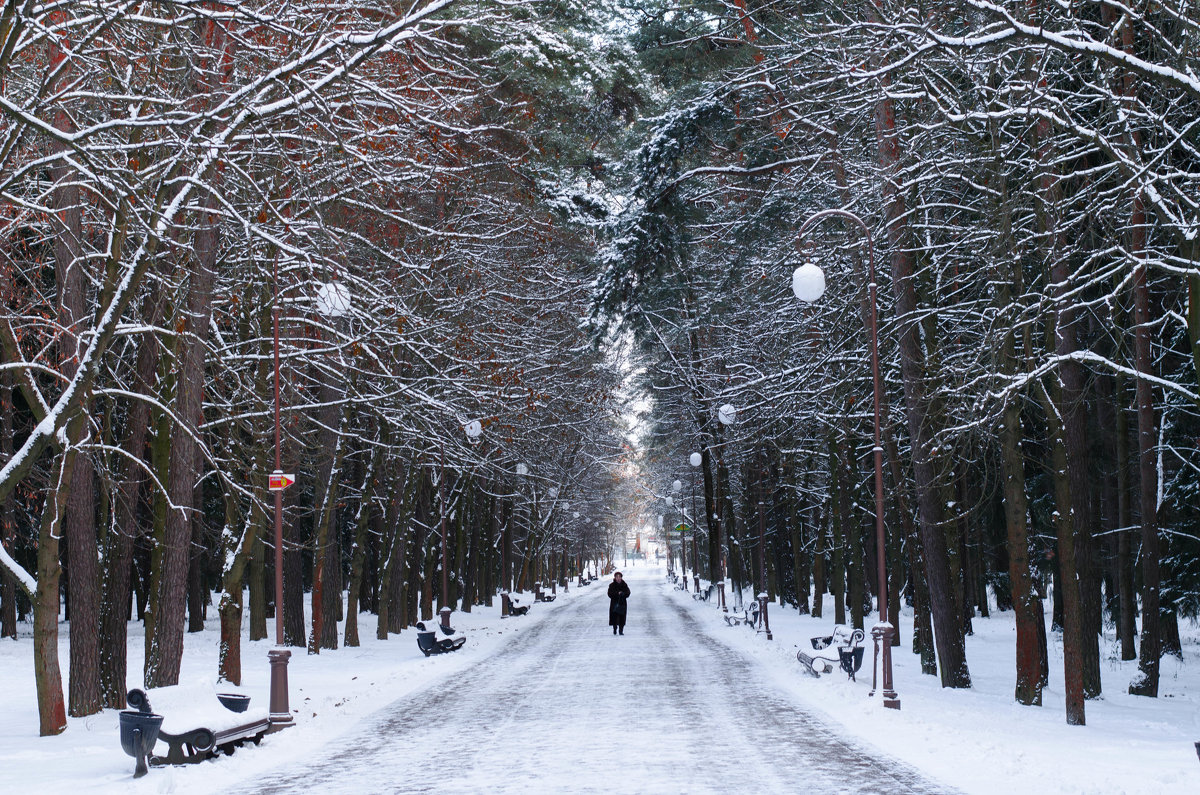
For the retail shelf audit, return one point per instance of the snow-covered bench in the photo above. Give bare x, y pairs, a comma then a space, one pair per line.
846, 643
196, 724
705, 595
429, 642
749, 616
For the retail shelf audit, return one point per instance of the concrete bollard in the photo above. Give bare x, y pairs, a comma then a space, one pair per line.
445, 617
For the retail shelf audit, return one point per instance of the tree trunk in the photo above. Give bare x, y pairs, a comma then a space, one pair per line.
8, 513
839, 515
119, 542
801, 559
358, 551
820, 542
293, 574
197, 593
922, 643
1146, 683
1070, 403
1027, 607
257, 580
79, 521
328, 476
229, 611
164, 650
241, 537
52, 709
1112, 417
923, 417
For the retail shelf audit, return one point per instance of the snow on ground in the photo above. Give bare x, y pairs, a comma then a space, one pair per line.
978, 740
568, 706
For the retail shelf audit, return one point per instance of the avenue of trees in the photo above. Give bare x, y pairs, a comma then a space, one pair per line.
182, 181
1031, 175
495, 211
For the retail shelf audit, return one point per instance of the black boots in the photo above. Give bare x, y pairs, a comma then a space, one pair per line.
614, 630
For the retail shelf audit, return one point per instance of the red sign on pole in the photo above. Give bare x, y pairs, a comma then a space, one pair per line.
279, 481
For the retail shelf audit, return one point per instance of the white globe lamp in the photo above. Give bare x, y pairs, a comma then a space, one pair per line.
333, 300
808, 283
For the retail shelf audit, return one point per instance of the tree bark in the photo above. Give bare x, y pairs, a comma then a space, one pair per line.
839, 512
8, 513
118, 546
328, 475
923, 417
1146, 683
358, 551
229, 611
801, 558
820, 542
164, 650
79, 521
52, 708
1027, 607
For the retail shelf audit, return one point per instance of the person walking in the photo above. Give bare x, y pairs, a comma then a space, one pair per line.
618, 592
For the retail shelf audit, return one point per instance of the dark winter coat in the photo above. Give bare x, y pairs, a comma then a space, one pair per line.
618, 592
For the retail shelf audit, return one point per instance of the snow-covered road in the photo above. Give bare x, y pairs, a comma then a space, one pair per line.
568, 707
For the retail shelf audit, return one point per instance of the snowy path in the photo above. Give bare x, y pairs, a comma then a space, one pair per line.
569, 707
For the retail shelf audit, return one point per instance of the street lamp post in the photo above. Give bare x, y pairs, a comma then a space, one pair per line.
762, 554
808, 284
280, 713
695, 459
726, 415
676, 489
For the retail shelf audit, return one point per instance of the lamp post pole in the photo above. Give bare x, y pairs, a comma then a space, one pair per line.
695, 459
726, 415
762, 551
280, 713
677, 492
807, 280
445, 595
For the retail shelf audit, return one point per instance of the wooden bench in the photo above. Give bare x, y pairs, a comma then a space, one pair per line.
196, 725
705, 595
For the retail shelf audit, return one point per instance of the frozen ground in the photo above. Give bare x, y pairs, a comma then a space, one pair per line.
682, 703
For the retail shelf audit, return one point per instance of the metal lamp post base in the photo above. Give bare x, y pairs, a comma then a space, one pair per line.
882, 635
280, 711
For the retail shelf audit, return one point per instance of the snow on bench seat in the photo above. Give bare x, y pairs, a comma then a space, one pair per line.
187, 707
